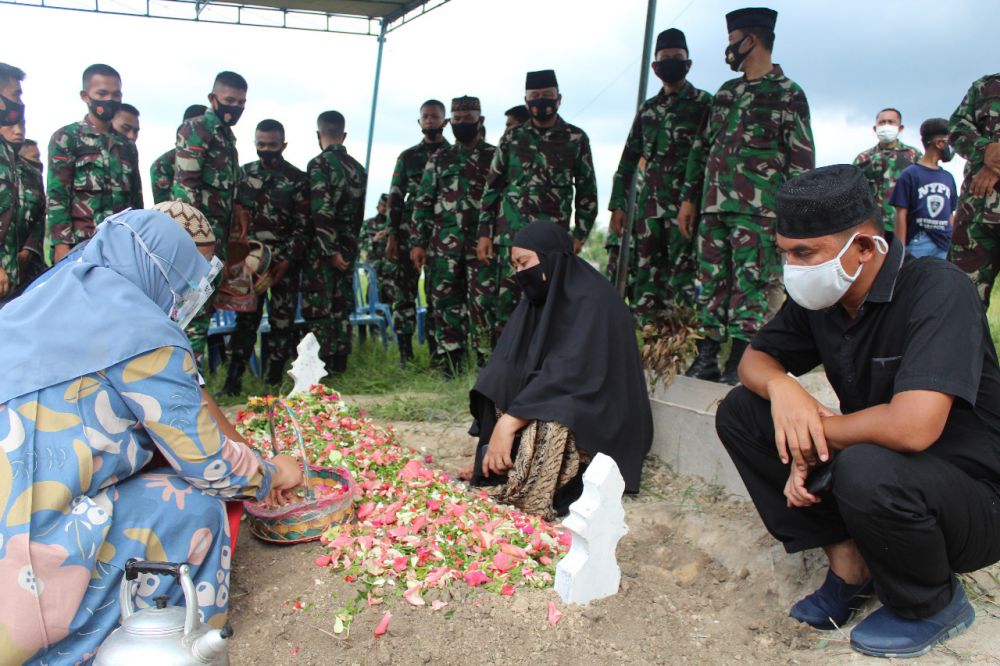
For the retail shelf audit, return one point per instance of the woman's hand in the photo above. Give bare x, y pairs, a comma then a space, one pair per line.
289, 473
497, 458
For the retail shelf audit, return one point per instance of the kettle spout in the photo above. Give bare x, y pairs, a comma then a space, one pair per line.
211, 645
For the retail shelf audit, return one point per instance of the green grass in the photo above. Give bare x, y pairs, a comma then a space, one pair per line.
418, 393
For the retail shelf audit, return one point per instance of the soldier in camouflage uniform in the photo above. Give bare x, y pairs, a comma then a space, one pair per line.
275, 196
446, 216
975, 133
11, 215
372, 248
206, 172
662, 133
32, 198
402, 194
538, 168
161, 172
93, 172
337, 184
882, 163
757, 136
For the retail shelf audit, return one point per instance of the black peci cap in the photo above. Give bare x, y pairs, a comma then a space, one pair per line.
824, 201
751, 17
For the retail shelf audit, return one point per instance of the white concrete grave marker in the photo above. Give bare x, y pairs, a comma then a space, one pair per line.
597, 522
307, 368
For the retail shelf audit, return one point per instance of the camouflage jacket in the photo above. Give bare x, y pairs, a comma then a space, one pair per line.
278, 203
207, 170
757, 136
450, 195
91, 176
337, 185
974, 125
161, 176
663, 131
403, 191
373, 250
533, 176
11, 215
882, 167
32, 201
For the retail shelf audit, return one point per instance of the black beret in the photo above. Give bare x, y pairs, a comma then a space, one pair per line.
545, 78
751, 17
670, 39
824, 201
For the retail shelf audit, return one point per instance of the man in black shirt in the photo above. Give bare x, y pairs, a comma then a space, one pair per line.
905, 485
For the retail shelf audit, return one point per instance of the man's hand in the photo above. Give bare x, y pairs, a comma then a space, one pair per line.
392, 247
618, 222
577, 245
338, 262
484, 250
58, 252
380, 234
991, 157
685, 218
419, 257
4, 283
23, 257
289, 474
798, 423
983, 182
278, 271
795, 489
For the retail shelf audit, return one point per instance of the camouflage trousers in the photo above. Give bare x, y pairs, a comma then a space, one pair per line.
281, 340
975, 243
327, 303
736, 260
665, 269
459, 299
407, 281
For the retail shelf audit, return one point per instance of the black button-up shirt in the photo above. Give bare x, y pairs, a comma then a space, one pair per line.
921, 327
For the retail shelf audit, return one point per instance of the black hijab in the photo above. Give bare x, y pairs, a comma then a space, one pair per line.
573, 359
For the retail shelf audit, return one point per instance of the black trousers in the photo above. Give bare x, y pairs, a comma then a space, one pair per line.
916, 518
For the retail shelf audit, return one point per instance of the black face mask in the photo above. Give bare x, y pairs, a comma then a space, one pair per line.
16, 146
947, 153
465, 132
671, 71
229, 114
104, 109
733, 56
433, 133
533, 283
543, 108
269, 158
13, 112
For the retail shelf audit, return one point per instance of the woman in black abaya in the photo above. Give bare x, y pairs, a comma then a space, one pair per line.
564, 383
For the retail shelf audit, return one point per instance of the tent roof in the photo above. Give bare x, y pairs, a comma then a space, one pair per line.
360, 8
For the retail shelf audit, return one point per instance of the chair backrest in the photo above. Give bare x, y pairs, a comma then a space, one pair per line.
365, 289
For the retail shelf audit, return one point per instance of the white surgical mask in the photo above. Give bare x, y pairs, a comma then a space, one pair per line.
820, 286
187, 305
887, 133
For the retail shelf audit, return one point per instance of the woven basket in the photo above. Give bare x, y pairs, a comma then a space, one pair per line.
306, 520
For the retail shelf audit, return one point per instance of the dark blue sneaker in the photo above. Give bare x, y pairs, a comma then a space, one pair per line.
832, 604
885, 634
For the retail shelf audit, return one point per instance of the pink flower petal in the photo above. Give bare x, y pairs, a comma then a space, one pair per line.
437, 604
383, 626
503, 562
413, 597
475, 578
554, 614
323, 561
507, 590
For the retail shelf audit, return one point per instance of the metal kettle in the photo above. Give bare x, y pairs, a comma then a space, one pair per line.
162, 635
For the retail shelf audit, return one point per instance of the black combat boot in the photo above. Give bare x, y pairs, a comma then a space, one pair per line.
339, 365
234, 378
706, 366
275, 372
405, 351
730, 374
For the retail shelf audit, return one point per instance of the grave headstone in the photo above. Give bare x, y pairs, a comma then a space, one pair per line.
307, 368
597, 522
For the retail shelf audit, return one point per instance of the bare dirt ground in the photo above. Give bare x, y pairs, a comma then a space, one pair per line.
701, 583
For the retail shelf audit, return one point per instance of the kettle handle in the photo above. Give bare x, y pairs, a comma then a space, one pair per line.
182, 572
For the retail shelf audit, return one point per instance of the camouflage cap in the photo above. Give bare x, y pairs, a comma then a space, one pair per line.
465, 103
189, 217
824, 201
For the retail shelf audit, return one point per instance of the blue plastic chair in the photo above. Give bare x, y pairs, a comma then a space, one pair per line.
222, 325
368, 310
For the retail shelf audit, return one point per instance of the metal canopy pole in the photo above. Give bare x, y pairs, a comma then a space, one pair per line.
378, 76
621, 277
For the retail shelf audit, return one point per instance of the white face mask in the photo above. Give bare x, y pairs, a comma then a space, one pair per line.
820, 286
887, 133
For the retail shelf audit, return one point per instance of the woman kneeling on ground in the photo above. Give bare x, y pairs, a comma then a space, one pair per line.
564, 383
98, 375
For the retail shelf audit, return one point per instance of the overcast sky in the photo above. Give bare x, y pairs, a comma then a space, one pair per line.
852, 58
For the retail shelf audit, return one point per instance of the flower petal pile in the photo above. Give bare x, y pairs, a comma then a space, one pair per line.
417, 530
